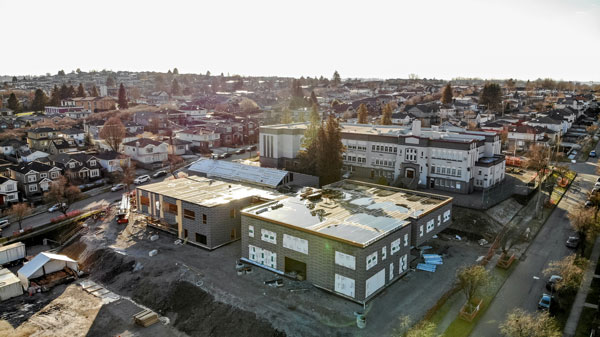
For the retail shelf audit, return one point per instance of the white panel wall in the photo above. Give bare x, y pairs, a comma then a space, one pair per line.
375, 282
345, 260
344, 285
295, 243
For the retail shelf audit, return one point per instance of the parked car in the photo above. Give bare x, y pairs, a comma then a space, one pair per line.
240, 151
4, 223
159, 174
572, 241
117, 187
588, 204
545, 302
214, 156
55, 207
141, 179
597, 185
225, 155
593, 153
552, 282
347, 175
251, 148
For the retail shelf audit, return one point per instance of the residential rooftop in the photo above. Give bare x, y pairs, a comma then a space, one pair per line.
206, 192
353, 212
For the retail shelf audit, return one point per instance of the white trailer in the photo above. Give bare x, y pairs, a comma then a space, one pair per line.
12, 253
10, 285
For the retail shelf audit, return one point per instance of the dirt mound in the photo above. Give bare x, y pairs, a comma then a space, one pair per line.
191, 309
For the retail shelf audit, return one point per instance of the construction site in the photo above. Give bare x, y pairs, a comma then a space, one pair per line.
136, 280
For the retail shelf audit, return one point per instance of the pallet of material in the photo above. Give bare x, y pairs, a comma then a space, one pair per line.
145, 318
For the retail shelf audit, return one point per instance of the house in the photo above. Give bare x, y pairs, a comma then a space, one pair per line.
204, 211
147, 152
113, 161
200, 137
60, 145
77, 167
39, 138
178, 146
158, 98
560, 126
75, 135
34, 178
93, 104
33, 156
13, 147
8, 191
351, 238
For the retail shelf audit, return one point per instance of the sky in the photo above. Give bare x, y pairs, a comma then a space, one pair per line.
524, 39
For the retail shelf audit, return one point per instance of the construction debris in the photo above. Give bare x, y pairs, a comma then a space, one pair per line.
145, 318
426, 267
154, 237
153, 252
278, 282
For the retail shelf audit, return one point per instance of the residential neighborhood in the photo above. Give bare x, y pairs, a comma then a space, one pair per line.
394, 179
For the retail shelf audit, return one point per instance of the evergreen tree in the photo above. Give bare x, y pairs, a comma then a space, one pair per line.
447, 94
39, 101
336, 80
61, 73
301, 117
122, 101
94, 92
362, 114
15, 79
329, 152
491, 95
64, 92
386, 115
175, 90
55, 97
313, 128
313, 98
13, 103
169, 72
71, 92
175, 71
80, 91
207, 73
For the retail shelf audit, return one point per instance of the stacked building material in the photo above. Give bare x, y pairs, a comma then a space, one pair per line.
145, 318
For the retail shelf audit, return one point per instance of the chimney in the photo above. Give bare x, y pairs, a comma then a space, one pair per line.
416, 128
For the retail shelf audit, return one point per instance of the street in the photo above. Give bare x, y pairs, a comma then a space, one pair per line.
526, 284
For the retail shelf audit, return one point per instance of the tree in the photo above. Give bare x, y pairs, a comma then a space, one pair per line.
491, 95
386, 115
94, 92
336, 80
329, 151
592, 129
39, 100
510, 84
447, 94
55, 97
127, 175
286, 117
470, 280
313, 98
362, 114
175, 90
66, 92
571, 270
19, 212
175, 71
80, 91
61, 73
173, 162
538, 159
62, 193
15, 79
583, 220
122, 101
207, 73
301, 117
520, 323
310, 134
110, 81
13, 102
113, 133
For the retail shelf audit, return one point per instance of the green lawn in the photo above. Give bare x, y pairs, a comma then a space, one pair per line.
460, 327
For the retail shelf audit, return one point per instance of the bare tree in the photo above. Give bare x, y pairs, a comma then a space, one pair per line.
470, 280
113, 133
583, 220
538, 159
173, 163
570, 269
62, 193
127, 175
520, 323
19, 212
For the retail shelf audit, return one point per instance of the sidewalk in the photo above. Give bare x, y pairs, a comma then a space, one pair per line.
579, 303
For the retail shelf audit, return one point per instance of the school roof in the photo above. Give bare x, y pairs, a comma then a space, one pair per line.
349, 211
239, 172
205, 192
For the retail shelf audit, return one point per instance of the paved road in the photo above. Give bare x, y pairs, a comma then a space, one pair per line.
521, 289
83, 205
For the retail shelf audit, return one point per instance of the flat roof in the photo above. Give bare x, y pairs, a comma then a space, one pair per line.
239, 172
354, 212
204, 191
396, 131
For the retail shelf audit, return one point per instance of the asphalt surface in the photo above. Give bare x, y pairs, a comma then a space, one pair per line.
526, 284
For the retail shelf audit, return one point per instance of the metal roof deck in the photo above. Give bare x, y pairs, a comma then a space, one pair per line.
239, 172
